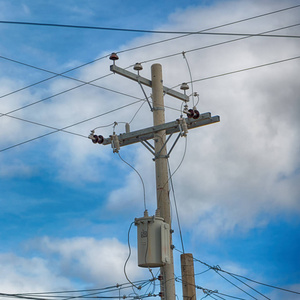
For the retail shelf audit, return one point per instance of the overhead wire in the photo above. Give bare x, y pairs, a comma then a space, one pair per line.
216, 44
149, 44
127, 95
172, 188
247, 69
68, 90
219, 269
88, 293
197, 80
69, 126
139, 30
141, 178
90, 82
43, 125
47, 71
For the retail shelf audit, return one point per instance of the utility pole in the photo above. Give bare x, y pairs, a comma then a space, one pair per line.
158, 133
161, 167
188, 276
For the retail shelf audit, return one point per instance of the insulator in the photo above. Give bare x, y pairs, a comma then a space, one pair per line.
196, 114
114, 56
100, 139
190, 113
127, 128
138, 67
184, 86
95, 139
115, 143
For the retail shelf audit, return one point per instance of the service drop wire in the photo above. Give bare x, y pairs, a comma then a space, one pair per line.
129, 254
143, 184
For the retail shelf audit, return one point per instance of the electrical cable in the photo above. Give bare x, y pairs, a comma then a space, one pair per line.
249, 287
188, 65
217, 268
45, 70
49, 295
135, 48
236, 285
247, 69
176, 209
264, 284
208, 292
84, 83
206, 78
129, 254
144, 190
69, 126
201, 79
214, 45
42, 125
68, 90
141, 30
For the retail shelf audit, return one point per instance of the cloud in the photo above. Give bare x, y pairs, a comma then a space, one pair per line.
20, 274
93, 262
240, 173
235, 171
61, 264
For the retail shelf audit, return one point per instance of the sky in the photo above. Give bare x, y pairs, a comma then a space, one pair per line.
67, 205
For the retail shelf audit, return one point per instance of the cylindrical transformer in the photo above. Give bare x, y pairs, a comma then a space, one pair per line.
153, 239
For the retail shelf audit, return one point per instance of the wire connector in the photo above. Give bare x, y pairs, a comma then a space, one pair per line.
183, 126
115, 144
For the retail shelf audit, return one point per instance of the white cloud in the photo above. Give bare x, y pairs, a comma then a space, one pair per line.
245, 166
233, 171
61, 264
20, 274
94, 262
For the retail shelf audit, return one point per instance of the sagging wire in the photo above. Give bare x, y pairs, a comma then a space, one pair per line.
188, 65
151, 281
143, 184
129, 254
218, 269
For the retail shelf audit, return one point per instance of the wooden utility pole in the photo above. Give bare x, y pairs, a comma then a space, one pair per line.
161, 167
158, 133
188, 277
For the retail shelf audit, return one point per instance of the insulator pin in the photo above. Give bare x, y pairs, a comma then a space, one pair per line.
127, 128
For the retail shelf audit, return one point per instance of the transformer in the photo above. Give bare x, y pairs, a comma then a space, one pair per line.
153, 240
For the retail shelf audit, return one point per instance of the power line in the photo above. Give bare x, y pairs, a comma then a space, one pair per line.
217, 44
217, 268
42, 125
68, 90
47, 71
88, 293
149, 44
91, 82
66, 127
248, 69
201, 79
143, 30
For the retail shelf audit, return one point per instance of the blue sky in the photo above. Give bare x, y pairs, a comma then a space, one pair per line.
67, 204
